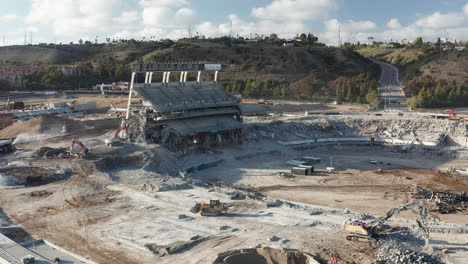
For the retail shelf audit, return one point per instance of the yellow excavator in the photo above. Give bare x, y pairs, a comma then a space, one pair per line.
367, 231
214, 208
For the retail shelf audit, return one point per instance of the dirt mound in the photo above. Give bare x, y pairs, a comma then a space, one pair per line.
44, 124
264, 256
31, 175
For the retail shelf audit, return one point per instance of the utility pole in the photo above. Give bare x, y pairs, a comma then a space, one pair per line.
230, 28
339, 35
189, 32
24, 42
30, 38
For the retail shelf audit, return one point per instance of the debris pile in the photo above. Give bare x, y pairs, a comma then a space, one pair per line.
175, 247
32, 175
44, 124
405, 128
443, 201
264, 256
50, 153
395, 253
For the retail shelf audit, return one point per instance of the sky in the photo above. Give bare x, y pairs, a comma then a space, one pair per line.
55, 21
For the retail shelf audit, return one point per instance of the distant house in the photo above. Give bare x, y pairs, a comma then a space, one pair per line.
70, 70
460, 48
124, 86
288, 44
103, 87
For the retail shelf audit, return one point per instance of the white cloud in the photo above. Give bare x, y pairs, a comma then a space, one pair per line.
351, 31
393, 23
73, 18
8, 17
128, 17
167, 17
246, 29
154, 3
453, 26
438, 20
295, 10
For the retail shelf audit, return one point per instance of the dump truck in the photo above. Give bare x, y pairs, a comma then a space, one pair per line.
214, 208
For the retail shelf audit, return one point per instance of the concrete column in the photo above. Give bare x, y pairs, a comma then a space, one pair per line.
130, 93
146, 77
185, 77
216, 76
167, 77
151, 77
164, 77
181, 76
199, 77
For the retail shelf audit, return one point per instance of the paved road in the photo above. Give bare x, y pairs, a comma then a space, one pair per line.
391, 91
12, 252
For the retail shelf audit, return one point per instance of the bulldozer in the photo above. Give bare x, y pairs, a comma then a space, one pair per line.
368, 231
214, 208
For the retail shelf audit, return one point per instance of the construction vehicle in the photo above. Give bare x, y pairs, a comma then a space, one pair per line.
379, 170
452, 115
82, 151
368, 231
120, 133
214, 208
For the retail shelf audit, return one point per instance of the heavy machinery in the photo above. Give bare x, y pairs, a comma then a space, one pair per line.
368, 231
379, 170
452, 115
81, 151
214, 208
120, 133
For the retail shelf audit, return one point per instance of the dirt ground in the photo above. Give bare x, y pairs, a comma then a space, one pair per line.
128, 204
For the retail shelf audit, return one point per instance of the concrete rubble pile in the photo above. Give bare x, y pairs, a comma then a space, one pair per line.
49, 153
394, 253
443, 201
424, 129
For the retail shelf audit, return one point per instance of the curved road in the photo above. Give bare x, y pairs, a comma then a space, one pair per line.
390, 90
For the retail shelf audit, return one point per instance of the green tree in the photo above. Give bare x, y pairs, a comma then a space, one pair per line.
311, 39
418, 42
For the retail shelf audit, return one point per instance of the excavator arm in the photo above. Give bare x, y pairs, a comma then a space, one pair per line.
422, 223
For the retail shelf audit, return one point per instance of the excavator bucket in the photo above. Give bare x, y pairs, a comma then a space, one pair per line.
195, 209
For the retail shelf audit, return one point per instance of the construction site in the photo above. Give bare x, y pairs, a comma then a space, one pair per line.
184, 172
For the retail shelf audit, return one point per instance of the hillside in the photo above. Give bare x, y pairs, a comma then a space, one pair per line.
432, 78
440, 65
48, 54
265, 61
35, 55
254, 69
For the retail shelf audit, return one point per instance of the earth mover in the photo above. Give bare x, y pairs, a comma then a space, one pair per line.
368, 231
214, 208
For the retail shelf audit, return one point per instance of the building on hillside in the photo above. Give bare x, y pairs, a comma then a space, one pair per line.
182, 115
124, 86
70, 70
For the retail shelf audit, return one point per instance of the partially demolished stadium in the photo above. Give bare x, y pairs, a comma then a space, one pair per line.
182, 114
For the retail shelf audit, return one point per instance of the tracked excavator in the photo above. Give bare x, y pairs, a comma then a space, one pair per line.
81, 151
214, 208
368, 231
119, 135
